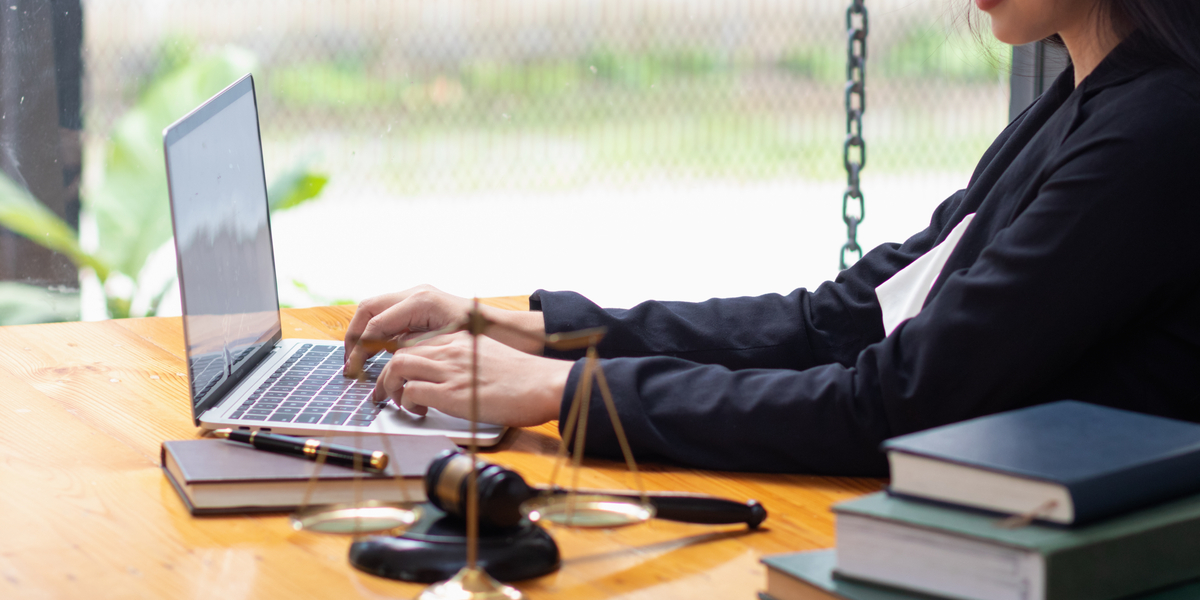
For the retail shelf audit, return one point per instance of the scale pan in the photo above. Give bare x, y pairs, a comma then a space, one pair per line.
587, 511
356, 519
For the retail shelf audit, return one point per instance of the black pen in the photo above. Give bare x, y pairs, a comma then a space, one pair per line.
335, 454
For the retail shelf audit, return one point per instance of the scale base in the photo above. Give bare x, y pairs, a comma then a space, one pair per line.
435, 549
471, 584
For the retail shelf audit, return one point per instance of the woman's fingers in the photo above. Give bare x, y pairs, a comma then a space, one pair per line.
514, 388
367, 309
408, 367
369, 341
396, 319
408, 313
416, 394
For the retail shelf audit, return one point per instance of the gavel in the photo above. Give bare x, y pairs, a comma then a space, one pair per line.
501, 492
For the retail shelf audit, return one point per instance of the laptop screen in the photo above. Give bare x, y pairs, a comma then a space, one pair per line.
223, 241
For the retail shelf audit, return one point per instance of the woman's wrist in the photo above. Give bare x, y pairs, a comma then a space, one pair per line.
522, 330
554, 384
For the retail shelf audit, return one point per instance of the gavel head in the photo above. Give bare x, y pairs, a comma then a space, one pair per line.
501, 490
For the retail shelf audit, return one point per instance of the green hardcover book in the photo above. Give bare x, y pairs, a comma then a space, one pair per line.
962, 554
810, 576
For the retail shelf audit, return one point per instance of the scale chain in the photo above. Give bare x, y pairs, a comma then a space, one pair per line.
856, 104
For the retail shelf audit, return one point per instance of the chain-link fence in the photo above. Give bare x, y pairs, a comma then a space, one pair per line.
442, 96
671, 122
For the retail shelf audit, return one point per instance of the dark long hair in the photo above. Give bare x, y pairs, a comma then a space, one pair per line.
1167, 29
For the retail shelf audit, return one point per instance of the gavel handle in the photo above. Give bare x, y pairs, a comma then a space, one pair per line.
691, 508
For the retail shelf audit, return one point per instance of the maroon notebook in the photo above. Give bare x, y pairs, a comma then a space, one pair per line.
221, 477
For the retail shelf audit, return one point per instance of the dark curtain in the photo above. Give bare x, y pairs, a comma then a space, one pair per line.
41, 75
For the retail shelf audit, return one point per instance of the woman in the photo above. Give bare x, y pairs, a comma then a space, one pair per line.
1066, 269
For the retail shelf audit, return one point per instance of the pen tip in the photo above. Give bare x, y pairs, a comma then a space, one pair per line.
222, 433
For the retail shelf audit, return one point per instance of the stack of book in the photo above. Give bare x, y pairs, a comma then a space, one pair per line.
1064, 501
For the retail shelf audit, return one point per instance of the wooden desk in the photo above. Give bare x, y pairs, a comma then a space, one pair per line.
86, 512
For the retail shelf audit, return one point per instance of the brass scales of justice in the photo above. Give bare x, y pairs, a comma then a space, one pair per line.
572, 509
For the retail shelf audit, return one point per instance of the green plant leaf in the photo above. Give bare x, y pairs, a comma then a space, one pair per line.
22, 213
130, 200
295, 187
22, 304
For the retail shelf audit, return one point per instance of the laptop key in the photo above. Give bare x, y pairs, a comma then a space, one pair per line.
307, 418
286, 418
335, 418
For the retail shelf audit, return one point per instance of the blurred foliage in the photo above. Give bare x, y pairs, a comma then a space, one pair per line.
643, 70
342, 85
923, 52
24, 304
23, 214
128, 199
929, 53
332, 85
543, 78
818, 63
295, 187
678, 113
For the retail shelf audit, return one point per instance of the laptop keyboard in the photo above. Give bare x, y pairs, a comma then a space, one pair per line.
309, 388
207, 371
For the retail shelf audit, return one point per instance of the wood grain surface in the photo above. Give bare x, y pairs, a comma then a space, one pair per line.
85, 511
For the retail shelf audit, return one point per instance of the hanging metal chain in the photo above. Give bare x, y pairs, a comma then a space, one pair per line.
854, 149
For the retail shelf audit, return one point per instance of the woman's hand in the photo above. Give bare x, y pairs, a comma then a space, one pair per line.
515, 388
425, 308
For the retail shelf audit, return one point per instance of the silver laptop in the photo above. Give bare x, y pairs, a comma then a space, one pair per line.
242, 374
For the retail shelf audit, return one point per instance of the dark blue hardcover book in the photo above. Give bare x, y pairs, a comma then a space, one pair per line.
1065, 462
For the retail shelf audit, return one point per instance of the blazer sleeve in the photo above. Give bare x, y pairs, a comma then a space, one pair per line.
829, 325
1084, 260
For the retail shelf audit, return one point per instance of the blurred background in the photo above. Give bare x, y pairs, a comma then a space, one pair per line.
667, 149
